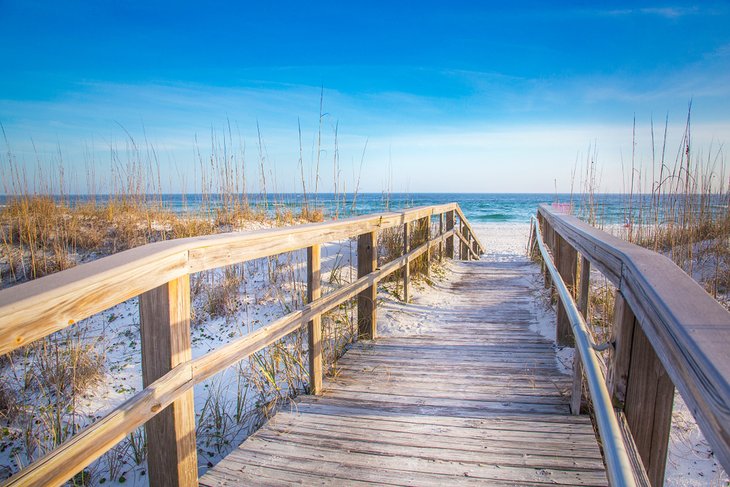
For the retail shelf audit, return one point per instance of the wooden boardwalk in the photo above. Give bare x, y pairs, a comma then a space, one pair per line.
475, 398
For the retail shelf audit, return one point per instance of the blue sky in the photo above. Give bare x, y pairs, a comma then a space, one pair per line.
447, 96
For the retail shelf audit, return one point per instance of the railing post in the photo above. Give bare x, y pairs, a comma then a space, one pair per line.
466, 245
441, 232
567, 264
585, 281
462, 251
427, 221
367, 262
620, 360
314, 291
639, 384
165, 333
407, 266
450, 239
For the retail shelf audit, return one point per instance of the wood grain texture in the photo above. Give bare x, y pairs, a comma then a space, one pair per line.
480, 247
450, 240
463, 232
619, 363
567, 265
467, 251
314, 292
165, 334
585, 286
474, 399
367, 262
407, 267
427, 223
441, 232
687, 328
576, 397
648, 408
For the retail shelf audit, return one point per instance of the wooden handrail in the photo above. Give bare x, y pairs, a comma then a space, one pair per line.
465, 241
480, 247
169, 261
35, 309
688, 330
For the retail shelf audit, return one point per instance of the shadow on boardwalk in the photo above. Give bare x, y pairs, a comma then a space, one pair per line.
476, 398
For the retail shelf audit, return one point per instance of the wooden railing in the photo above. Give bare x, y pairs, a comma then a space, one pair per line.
667, 332
159, 274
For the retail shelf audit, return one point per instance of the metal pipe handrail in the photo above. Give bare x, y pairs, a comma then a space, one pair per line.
618, 465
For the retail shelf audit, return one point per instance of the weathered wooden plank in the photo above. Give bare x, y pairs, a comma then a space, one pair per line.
407, 267
463, 236
567, 265
417, 446
280, 453
576, 395
501, 431
367, 262
480, 247
648, 408
450, 240
248, 469
165, 333
441, 232
619, 364
465, 250
427, 223
314, 292
514, 420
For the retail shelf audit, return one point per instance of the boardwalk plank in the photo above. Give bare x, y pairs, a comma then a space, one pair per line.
476, 399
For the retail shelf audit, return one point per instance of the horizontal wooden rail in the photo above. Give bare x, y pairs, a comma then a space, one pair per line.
35, 309
686, 329
467, 245
480, 248
75, 454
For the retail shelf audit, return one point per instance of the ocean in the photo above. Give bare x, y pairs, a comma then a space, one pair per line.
478, 207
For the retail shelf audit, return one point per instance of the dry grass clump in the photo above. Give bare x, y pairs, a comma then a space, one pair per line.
390, 244
420, 230
68, 363
235, 217
40, 235
220, 297
312, 215
339, 329
676, 207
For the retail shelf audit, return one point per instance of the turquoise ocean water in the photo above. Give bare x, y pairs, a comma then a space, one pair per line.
478, 207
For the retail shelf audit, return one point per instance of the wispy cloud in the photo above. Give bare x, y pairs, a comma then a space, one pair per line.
668, 12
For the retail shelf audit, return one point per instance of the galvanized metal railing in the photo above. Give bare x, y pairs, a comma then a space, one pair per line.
618, 465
